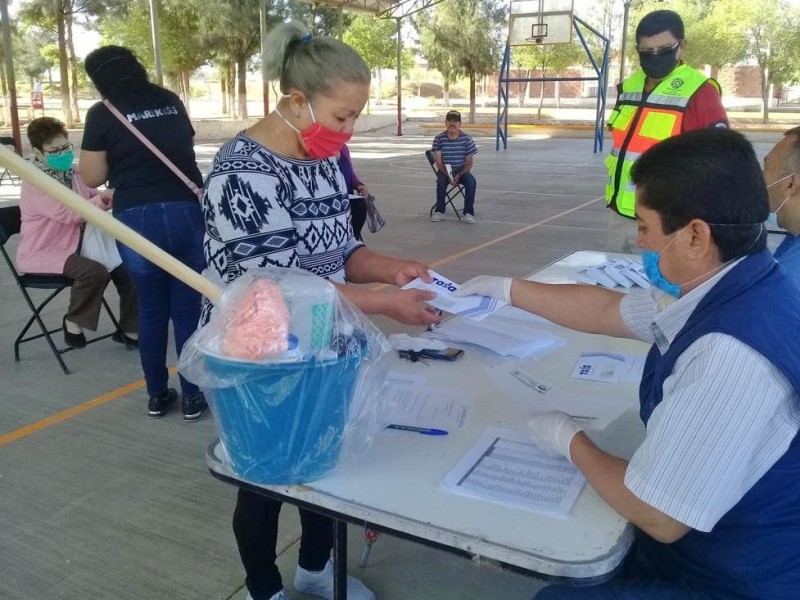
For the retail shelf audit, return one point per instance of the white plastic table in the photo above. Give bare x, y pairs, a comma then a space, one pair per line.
395, 488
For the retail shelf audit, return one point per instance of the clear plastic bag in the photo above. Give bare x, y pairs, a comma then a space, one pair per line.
312, 403
375, 221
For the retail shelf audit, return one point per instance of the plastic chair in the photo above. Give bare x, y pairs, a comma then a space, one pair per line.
10, 222
6, 174
453, 191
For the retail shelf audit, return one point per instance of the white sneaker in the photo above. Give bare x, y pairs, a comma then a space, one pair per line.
320, 583
469, 219
436, 216
282, 595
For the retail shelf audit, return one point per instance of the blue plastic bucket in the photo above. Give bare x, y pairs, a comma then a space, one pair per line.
283, 423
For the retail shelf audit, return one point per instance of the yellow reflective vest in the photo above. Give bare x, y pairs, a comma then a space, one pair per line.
639, 121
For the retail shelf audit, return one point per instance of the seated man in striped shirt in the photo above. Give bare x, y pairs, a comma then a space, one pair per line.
714, 488
453, 148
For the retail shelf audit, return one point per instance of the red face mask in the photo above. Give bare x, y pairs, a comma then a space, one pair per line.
320, 142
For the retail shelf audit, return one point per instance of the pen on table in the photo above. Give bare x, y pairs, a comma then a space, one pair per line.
432, 326
422, 430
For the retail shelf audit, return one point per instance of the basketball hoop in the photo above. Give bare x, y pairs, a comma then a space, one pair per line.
540, 22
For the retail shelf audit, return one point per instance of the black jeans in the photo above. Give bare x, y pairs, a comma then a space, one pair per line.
255, 524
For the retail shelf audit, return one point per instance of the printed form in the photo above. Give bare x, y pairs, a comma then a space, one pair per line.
409, 401
506, 467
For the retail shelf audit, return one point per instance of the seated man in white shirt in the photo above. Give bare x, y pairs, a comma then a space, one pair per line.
714, 489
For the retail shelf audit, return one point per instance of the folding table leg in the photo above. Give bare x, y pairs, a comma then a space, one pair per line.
339, 560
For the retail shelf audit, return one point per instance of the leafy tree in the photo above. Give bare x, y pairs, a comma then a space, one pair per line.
770, 29
58, 16
181, 44
470, 32
376, 41
30, 55
437, 56
547, 60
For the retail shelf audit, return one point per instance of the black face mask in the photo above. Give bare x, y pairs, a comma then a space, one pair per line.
658, 66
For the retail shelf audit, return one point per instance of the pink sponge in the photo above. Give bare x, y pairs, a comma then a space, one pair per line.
259, 327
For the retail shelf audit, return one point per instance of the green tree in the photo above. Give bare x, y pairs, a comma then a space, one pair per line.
59, 16
376, 41
30, 55
711, 38
437, 56
182, 49
470, 32
547, 60
770, 30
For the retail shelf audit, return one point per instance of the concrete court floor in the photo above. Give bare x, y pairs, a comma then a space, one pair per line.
98, 501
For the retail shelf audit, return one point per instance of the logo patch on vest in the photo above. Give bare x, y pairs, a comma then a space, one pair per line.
676, 83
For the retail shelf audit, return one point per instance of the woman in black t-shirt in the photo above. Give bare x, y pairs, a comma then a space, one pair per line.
152, 200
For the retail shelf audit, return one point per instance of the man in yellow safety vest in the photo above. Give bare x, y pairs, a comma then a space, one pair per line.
664, 98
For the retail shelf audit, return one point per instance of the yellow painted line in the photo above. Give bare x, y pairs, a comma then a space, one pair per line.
69, 413
502, 238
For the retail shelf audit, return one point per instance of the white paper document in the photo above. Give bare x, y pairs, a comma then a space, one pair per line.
607, 366
472, 307
506, 467
503, 336
409, 401
523, 383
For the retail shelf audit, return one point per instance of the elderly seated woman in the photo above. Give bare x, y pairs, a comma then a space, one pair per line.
52, 240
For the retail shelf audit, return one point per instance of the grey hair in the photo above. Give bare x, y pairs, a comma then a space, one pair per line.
308, 64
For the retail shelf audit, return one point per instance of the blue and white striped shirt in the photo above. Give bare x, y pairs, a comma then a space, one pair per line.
454, 152
726, 417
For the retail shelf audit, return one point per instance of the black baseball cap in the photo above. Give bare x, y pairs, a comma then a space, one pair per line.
453, 115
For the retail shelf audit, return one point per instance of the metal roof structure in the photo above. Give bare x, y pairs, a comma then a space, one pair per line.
385, 9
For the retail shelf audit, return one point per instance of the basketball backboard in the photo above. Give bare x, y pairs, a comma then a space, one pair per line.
533, 22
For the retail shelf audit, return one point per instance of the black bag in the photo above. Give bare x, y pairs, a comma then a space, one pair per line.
375, 221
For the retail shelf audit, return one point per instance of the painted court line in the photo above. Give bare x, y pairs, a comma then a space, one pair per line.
502, 238
74, 411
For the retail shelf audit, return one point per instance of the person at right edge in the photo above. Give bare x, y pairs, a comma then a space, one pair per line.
665, 98
713, 490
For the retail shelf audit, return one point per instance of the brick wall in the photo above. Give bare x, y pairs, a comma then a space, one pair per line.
740, 81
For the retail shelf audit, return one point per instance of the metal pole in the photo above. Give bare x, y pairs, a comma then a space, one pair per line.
12, 84
157, 43
626, 4
262, 12
399, 81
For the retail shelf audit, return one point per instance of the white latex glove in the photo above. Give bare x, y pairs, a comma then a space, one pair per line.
486, 285
553, 431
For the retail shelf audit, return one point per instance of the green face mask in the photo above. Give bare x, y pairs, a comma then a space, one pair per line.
60, 162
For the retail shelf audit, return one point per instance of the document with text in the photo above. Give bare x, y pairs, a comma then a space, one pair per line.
410, 401
506, 467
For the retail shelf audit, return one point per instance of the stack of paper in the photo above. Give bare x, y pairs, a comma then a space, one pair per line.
506, 467
503, 336
622, 272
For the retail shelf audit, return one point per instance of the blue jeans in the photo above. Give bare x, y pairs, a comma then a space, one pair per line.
470, 185
642, 576
177, 228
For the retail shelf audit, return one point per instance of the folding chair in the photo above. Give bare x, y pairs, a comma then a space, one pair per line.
9, 141
10, 221
453, 191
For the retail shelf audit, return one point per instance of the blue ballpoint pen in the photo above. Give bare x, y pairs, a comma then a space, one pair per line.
422, 430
